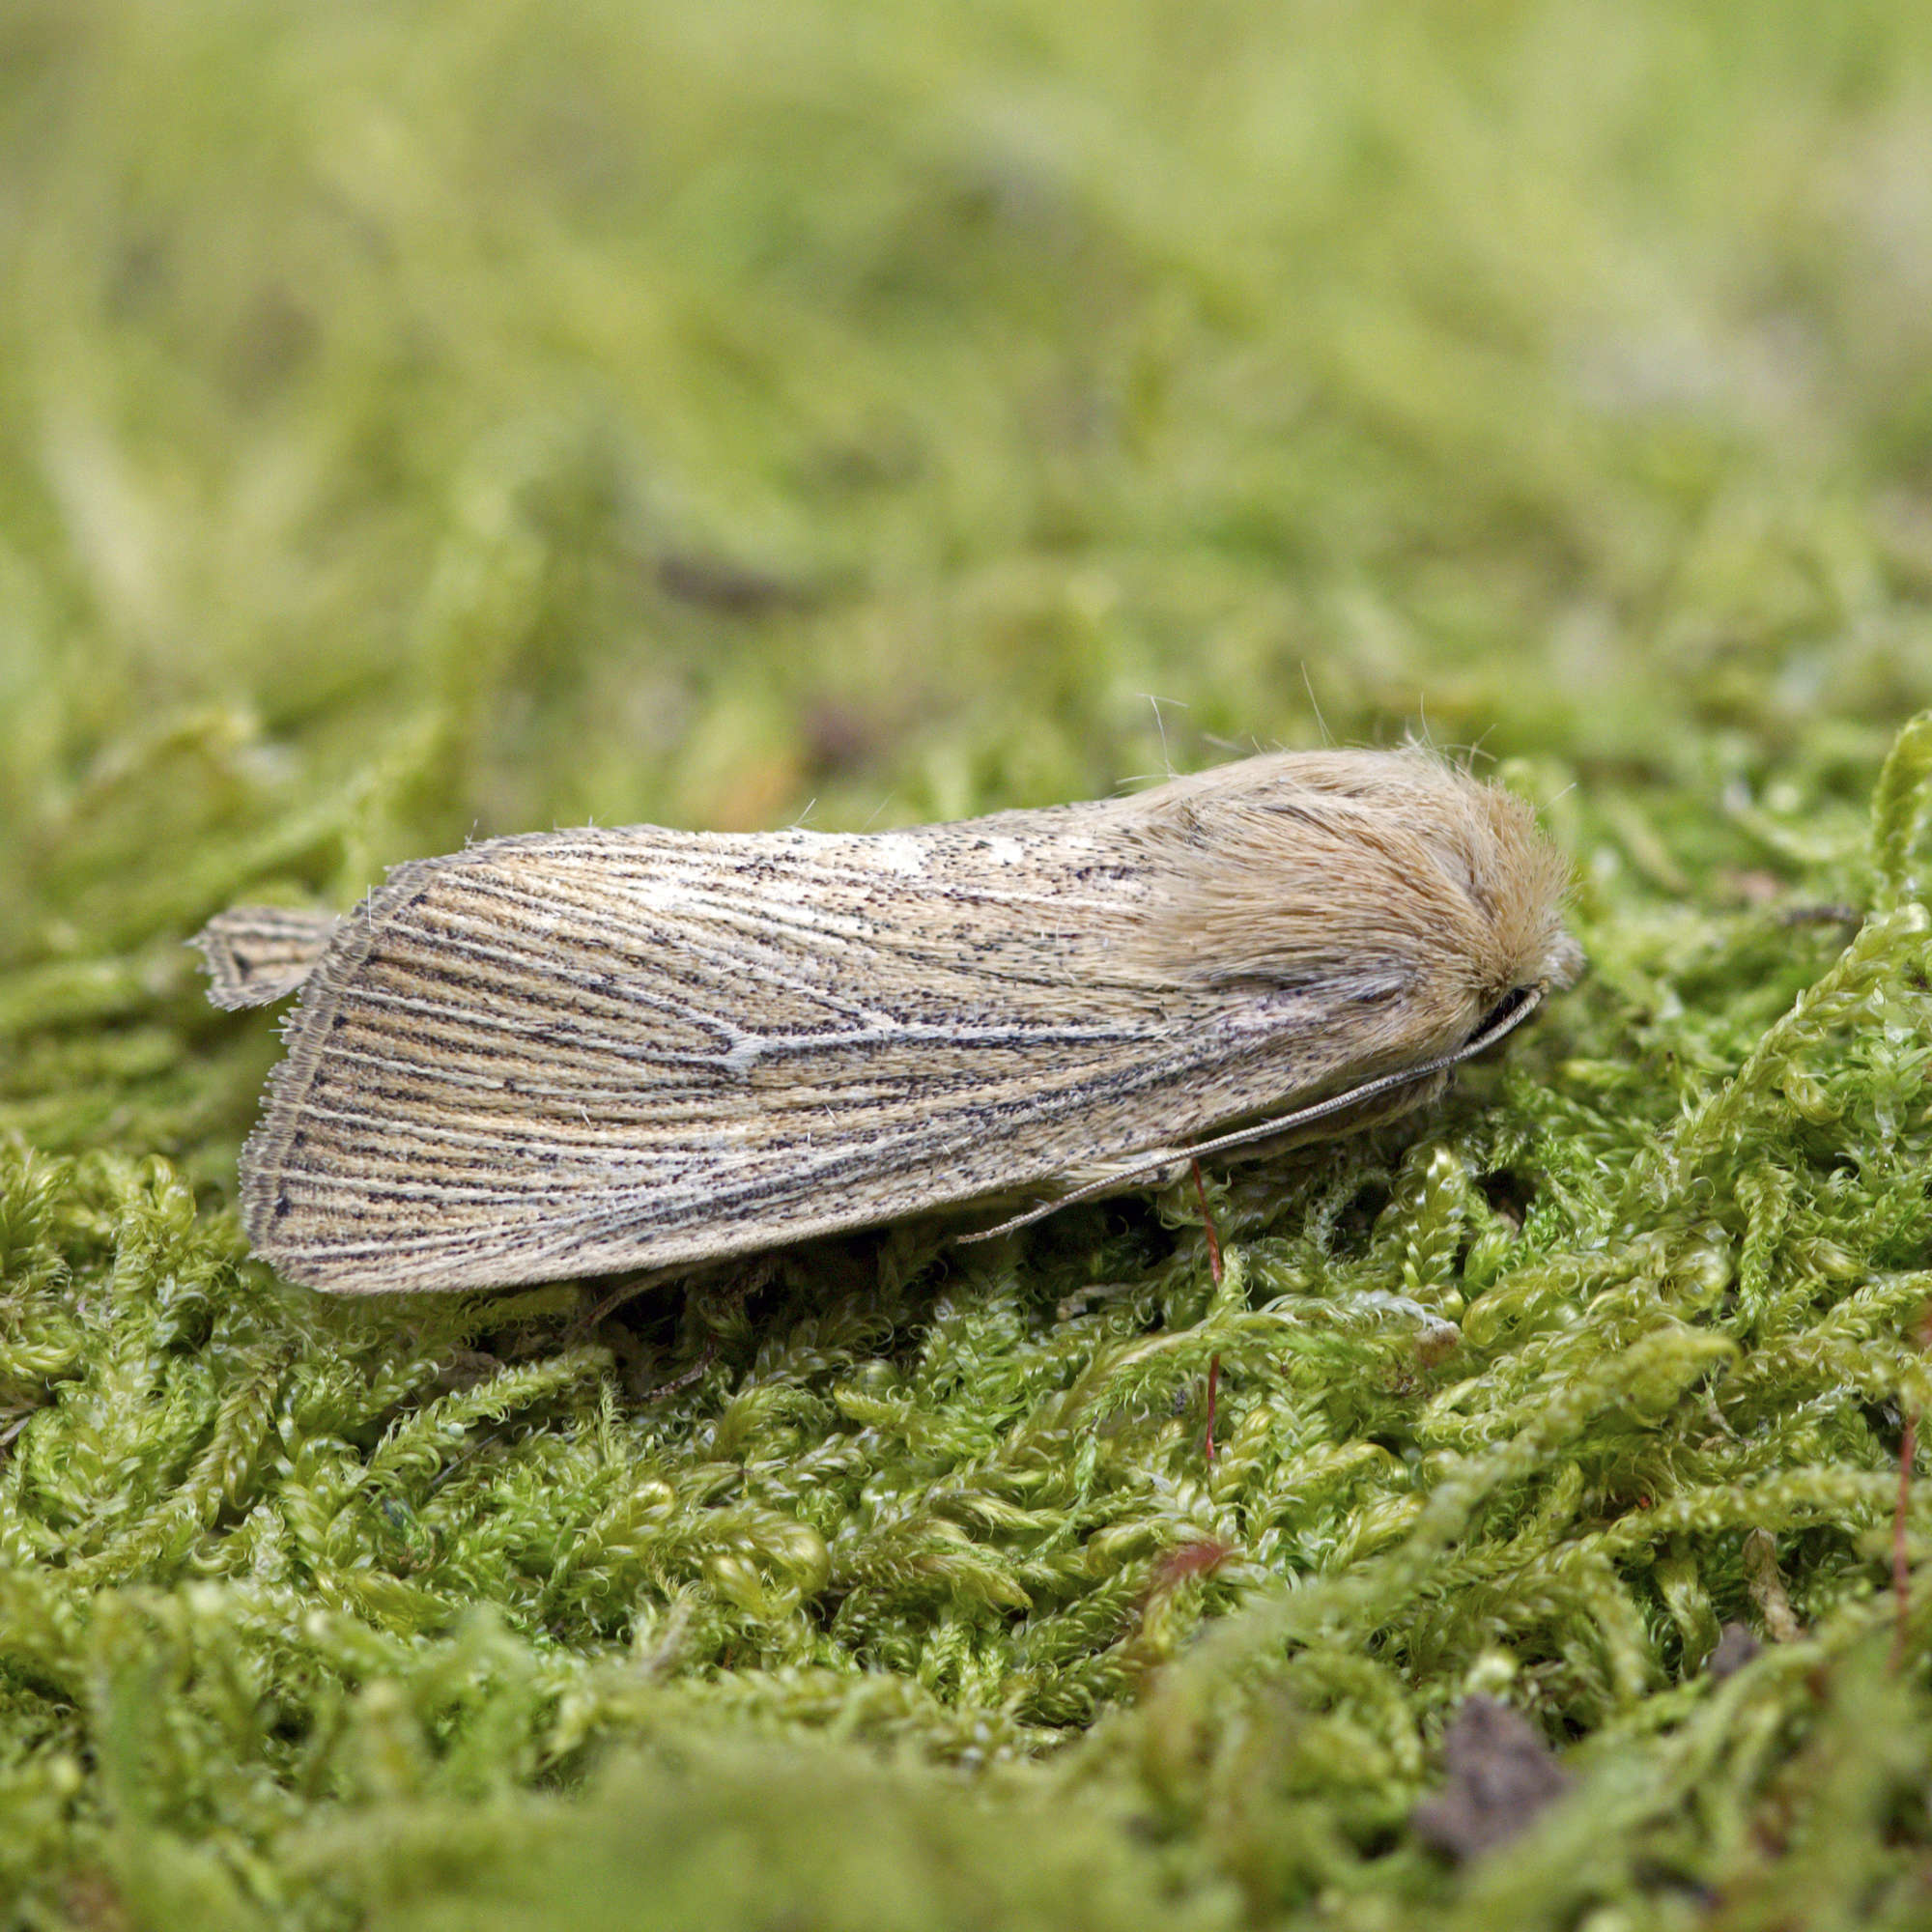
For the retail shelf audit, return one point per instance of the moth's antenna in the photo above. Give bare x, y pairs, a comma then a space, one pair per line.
1336, 1104
1314, 704
1160, 725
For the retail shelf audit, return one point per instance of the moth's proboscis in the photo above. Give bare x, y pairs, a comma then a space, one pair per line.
575, 1053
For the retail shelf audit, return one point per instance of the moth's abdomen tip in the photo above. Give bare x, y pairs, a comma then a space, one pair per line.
258, 954
226, 987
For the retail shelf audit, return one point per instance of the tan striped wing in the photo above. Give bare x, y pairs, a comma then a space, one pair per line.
592, 1051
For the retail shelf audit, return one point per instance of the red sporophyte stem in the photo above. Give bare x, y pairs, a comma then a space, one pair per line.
1208, 1228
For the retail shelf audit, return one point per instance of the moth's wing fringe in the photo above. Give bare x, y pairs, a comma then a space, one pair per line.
258, 954
348, 943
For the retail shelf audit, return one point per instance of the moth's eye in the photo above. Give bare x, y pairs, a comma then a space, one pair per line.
1497, 1021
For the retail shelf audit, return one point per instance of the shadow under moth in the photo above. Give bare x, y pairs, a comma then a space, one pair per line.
578, 1052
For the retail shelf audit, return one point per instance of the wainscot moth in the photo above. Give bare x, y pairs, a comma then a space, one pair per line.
578, 1052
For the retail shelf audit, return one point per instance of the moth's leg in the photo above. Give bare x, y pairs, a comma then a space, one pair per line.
1159, 1168
629, 1287
709, 1298
718, 1294
1374, 1113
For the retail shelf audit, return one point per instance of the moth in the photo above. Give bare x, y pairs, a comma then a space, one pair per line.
573, 1053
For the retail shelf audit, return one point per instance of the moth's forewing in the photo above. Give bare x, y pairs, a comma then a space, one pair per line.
623, 1050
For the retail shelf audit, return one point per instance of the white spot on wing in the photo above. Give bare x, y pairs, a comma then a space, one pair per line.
746, 1051
898, 853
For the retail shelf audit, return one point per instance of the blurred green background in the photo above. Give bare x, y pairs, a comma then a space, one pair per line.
420, 421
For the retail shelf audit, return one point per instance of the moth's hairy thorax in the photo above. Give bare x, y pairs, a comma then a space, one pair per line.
1401, 895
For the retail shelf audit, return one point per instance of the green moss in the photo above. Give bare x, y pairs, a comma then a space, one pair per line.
465, 418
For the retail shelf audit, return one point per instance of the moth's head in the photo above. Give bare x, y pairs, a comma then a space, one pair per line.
1494, 857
